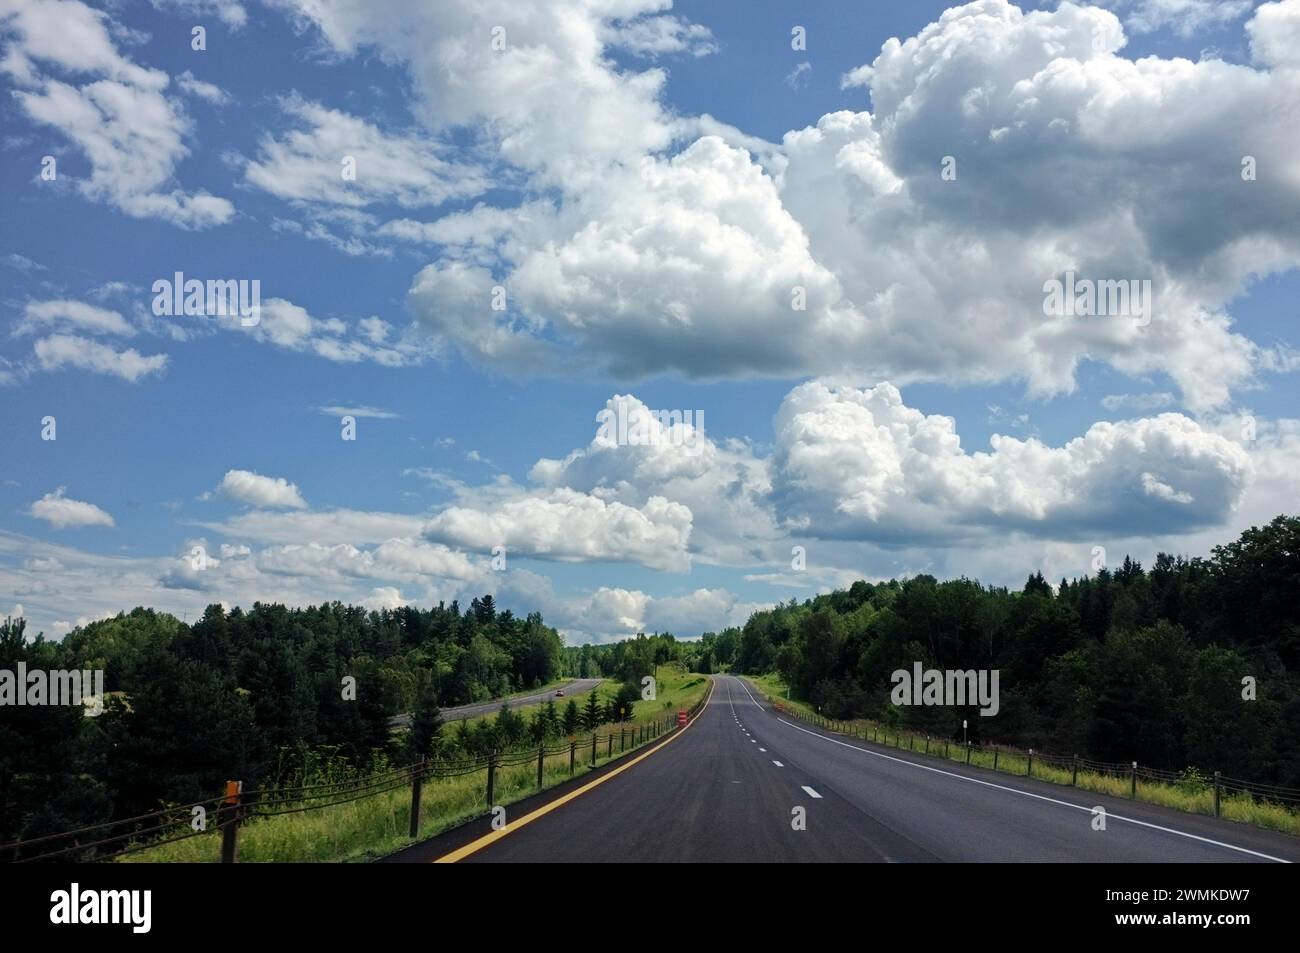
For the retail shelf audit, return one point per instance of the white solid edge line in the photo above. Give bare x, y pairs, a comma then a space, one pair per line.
811, 792
1039, 797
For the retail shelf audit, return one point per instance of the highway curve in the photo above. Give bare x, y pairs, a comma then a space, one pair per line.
727, 788
574, 689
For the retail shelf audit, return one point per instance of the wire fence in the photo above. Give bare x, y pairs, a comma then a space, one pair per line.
225, 813
1006, 758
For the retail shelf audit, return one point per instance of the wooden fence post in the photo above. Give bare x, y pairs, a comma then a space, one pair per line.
417, 782
230, 817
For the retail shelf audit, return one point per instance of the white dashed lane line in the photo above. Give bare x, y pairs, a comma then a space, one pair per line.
778, 764
811, 792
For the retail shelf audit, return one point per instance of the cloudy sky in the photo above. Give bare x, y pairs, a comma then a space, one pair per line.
483, 229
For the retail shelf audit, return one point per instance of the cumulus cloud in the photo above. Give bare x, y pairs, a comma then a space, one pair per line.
208, 92
245, 486
72, 350
60, 511
552, 99
73, 314
844, 250
724, 484
1275, 34
121, 118
569, 526
859, 464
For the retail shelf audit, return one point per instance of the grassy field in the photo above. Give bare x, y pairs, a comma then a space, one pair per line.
377, 825
1192, 795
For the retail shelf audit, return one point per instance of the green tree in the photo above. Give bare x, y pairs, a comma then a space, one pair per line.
426, 725
592, 712
572, 718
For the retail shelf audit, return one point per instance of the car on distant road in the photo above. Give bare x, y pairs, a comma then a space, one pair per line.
559, 693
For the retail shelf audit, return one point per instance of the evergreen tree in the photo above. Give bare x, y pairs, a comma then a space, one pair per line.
572, 718
592, 712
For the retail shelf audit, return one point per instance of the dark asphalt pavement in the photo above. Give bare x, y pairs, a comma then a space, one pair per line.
731, 786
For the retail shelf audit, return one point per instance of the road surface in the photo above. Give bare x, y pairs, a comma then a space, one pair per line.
575, 688
729, 788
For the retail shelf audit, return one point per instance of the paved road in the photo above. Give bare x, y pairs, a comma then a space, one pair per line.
579, 687
727, 788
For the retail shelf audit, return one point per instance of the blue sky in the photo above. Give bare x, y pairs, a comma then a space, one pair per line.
648, 185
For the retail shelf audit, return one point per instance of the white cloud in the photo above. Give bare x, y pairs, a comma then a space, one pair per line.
74, 314
132, 134
61, 512
385, 597
357, 527
70, 350
569, 526
724, 485
374, 413
859, 464
1275, 34
208, 92
307, 164
398, 559
291, 327
693, 263
611, 613
1184, 17
552, 101
655, 35
1141, 402
246, 486
230, 12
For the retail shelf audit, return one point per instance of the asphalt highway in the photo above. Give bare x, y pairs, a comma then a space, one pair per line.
745, 783
573, 689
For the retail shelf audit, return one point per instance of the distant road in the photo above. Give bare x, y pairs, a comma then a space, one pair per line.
579, 687
728, 787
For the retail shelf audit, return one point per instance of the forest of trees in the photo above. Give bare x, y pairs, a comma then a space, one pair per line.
255, 695
1130, 664
629, 660
1134, 663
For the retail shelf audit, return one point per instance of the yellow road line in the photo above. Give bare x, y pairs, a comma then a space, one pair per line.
475, 846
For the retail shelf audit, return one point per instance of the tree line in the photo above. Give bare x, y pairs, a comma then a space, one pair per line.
1156, 665
256, 695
